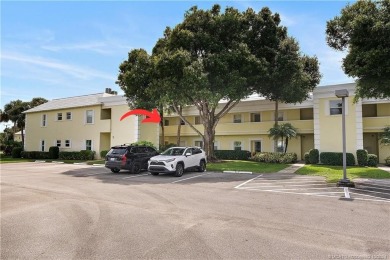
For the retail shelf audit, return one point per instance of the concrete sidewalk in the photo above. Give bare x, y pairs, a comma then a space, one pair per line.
292, 169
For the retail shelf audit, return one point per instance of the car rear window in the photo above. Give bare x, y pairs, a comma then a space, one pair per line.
118, 150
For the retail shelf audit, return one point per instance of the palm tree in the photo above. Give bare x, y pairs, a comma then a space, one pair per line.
385, 136
284, 132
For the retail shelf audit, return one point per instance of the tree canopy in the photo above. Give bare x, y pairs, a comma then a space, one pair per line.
363, 29
216, 55
13, 111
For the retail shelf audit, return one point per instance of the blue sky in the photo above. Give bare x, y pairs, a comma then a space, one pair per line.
56, 49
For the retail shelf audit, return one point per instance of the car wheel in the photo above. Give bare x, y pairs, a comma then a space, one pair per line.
115, 170
155, 173
136, 168
179, 170
202, 166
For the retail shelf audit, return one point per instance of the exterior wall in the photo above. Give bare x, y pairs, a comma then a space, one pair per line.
331, 125
76, 130
150, 132
125, 131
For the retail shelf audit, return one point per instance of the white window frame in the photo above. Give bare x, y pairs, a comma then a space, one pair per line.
216, 145
66, 115
281, 116
202, 144
86, 117
44, 120
42, 146
237, 120
58, 143
86, 148
328, 107
70, 143
235, 146
280, 145
59, 115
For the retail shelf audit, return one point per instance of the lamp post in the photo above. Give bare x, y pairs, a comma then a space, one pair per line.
345, 182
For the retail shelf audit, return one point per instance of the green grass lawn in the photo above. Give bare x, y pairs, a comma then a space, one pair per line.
6, 159
335, 173
248, 166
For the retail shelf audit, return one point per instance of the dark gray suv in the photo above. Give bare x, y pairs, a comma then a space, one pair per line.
129, 157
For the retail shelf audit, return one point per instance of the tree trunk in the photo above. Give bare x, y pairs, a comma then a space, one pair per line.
162, 140
208, 140
285, 148
179, 128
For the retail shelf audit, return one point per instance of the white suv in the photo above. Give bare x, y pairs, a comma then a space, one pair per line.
178, 159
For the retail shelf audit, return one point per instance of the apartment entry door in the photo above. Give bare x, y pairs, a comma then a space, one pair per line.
307, 143
256, 146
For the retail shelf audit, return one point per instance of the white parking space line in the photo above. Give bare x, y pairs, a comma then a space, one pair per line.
136, 176
288, 184
191, 178
278, 186
238, 186
346, 193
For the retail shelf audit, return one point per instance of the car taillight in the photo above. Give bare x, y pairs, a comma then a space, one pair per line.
123, 159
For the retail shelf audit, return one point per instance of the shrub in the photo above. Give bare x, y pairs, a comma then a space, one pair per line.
331, 158
35, 155
166, 146
103, 153
372, 160
16, 152
145, 143
387, 161
314, 156
362, 157
275, 157
54, 152
232, 154
82, 155
306, 157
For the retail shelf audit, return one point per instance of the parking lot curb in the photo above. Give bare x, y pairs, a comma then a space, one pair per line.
39, 161
80, 163
237, 172
56, 162
96, 164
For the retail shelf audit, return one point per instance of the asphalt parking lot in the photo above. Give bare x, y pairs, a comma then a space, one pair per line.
60, 211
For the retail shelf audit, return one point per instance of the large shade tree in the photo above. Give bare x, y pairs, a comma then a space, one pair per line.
363, 29
213, 56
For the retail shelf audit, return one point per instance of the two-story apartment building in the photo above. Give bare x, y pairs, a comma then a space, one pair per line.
89, 122
92, 122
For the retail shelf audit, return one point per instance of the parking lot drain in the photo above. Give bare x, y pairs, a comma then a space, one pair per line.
237, 172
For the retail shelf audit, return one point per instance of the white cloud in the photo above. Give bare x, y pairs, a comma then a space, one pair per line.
69, 69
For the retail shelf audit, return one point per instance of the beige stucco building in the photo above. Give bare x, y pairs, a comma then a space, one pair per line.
92, 122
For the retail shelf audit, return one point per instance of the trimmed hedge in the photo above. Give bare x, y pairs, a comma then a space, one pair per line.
16, 152
314, 156
372, 160
331, 158
362, 157
35, 155
145, 143
82, 155
103, 153
275, 157
306, 157
232, 154
54, 152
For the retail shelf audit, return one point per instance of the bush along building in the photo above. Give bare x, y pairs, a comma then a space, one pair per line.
92, 122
